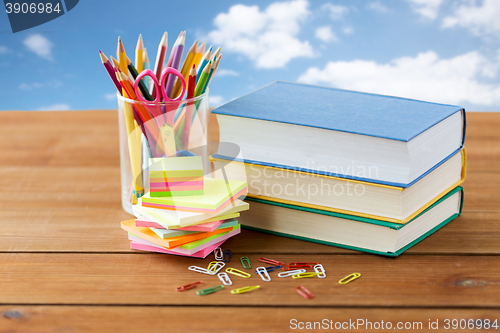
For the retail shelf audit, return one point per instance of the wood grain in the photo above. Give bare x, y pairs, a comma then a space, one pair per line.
95, 230
215, 319
65, 264
65, 278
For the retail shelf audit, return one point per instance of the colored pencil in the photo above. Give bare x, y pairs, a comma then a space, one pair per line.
175, 64
204, 60
189, 107
109, 68
141, 84
139, 57
215, 69
186, 67
145, 115
210, 74
217, 52
174, 48
160, 61
146, 66
200, 85
199, 53
122, 56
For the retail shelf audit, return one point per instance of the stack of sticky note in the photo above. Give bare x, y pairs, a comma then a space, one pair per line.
186, 224
179, 176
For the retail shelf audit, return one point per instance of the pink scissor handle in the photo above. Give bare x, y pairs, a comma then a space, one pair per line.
164, 74
152, 75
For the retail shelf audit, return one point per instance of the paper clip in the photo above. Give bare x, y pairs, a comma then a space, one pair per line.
244, 289
188, 286
296, 265
214, 269
200, 270
209, 290
263, 273
290, 273
211, 264
237, 272
224, 278
218, 253
245, 262
320, 270
349, 278
304, 292
270, 269
228, 252
271, 262
304, 275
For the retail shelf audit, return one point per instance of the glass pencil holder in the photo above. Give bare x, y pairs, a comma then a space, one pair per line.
149, 130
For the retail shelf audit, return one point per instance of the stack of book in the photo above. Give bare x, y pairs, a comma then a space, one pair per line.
189, 225
361, 171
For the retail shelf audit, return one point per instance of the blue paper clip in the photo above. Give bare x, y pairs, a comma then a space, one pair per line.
269, 269
228, 252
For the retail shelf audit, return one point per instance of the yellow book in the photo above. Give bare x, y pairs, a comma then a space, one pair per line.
357, 198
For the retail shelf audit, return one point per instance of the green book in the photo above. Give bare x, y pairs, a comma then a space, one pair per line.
348, 231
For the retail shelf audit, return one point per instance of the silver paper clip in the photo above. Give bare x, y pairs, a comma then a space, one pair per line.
200, 270
262, 271
218, 253
290, 273
320, 270
224, 278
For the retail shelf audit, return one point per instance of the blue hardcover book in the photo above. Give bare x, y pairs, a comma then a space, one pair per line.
339, 133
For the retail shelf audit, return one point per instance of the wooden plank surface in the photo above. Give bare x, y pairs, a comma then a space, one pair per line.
82, 230
229, 319
419, 281
65, 263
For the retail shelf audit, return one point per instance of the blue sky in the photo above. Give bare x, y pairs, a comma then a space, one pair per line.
444, 51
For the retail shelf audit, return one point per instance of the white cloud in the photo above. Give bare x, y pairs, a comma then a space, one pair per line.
326, 34
227, 72
480, 20
55, 107
455, 80
4, 50
427, 8
110, 96
336, 12
39, 45
377, 7
216, 100
267, 37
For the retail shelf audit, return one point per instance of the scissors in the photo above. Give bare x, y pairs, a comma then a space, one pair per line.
160, 87
165, 123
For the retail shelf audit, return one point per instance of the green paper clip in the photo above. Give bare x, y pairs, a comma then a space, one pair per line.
209, 290
349, 278
245, 262
304, 275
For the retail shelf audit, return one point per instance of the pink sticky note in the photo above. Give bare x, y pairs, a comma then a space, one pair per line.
200, 254
188, 252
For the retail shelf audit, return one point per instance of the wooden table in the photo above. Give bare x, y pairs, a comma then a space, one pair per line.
65, 262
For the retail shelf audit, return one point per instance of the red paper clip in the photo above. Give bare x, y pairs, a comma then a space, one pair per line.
271, 262
304, 292
188, 286
297, 265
